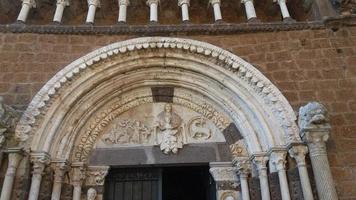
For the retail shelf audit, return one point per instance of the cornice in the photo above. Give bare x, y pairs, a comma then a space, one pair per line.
157, 29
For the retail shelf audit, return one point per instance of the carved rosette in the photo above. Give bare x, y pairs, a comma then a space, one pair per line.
96, 175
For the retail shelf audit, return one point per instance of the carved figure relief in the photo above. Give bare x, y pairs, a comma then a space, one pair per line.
169, 130
160, 124
91, 194
198, 128
128, 132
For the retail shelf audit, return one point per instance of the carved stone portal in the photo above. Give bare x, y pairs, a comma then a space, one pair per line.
166, 125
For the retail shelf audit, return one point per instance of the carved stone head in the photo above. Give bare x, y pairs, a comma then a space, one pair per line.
91, 194
313, 115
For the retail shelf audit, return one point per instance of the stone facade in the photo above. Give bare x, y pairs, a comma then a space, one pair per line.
305, 65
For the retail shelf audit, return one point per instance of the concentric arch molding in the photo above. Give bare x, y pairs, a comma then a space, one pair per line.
240, 69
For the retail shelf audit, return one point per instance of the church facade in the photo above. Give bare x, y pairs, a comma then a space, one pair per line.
173, 100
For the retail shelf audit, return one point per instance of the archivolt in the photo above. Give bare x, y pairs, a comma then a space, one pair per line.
248, 97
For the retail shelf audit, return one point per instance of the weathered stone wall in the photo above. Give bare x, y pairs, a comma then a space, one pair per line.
305, 65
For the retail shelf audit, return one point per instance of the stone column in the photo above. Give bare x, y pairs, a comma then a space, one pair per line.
250, 10
260, 161
217, 11
123, 10
314, 130
15, 155
225, 178
278, 160
39, 161
284, 10
61, 168
243, 170
25, 9
298, 152
93, 4
184, 4
78, 178
61, 4
153, 4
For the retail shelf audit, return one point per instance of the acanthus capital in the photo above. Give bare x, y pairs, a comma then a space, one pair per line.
124, 2
63, 2
149, 2
298, 152
40, 157
31, 3
316, 136
212, 2
260, 160
278, 158
243, 166
181, 2
244, 1
95, 3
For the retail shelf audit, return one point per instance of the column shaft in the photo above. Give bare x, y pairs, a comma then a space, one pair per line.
91, 14
185, 12
250, 9
59, 13
24, 12
283, 183
77, 191
122, 13
217, 11
154, 12
35, 186
264, 184
284, 9
14, 161
244, 187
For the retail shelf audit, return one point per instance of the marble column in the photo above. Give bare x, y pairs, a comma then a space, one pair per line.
123, 10
314, 130
184, 4
25, 9
61, 168
14, 156
93, 5
260, 161
284, 10
78, 179
217, 10
61, 4
39, 161
153, 4
250, 10
243, 170
278, 160
298, 152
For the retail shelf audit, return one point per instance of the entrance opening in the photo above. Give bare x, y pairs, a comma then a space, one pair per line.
160, 183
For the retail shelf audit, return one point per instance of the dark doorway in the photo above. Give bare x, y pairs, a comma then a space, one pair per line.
188, 183
160, 183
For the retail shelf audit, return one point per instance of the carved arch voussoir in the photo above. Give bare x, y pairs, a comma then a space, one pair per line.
259, 85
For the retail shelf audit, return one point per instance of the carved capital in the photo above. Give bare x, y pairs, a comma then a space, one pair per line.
298, 152
39, 161
63, 2
212, 2
223, 171
244, 1
181, 2
260, 161
149, 2
278, 158
280, 1
313, 117
243, 167
31, 3
78, 173
96, 175
95, 3
124, 2
61, 167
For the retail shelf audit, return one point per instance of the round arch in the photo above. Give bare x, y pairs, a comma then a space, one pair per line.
67, 115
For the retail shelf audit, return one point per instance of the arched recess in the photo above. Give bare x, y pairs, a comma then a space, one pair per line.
68, 114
